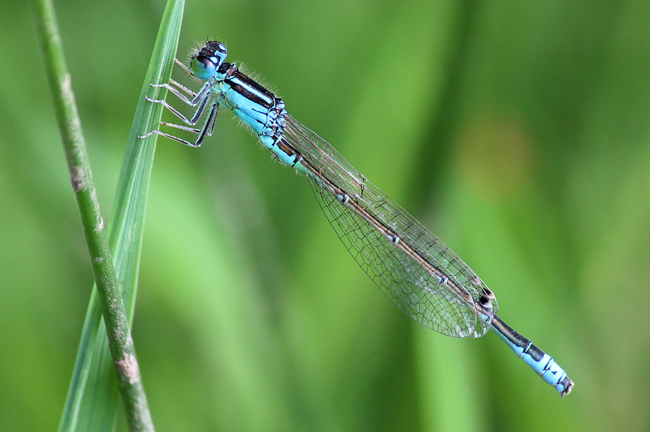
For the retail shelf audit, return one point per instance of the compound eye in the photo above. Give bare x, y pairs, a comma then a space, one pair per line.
204, 67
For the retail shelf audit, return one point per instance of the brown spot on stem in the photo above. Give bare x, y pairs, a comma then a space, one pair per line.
129, 368
77, 178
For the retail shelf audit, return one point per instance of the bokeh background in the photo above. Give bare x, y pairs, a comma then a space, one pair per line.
518, 132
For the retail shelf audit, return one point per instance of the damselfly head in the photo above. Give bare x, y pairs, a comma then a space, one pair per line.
205, 63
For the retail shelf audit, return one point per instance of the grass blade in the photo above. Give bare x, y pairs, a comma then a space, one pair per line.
93, 396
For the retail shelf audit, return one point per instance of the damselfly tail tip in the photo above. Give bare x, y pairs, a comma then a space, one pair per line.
567, 386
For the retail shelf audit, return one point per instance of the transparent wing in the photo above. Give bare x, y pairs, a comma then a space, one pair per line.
420, 293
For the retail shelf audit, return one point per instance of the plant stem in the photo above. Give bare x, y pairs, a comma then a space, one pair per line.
115, 317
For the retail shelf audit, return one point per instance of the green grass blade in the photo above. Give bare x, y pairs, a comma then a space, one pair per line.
108, 291
93, 395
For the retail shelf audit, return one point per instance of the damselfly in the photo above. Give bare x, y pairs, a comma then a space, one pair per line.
421, 275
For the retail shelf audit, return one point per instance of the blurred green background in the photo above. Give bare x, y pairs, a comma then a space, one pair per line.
518, 132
